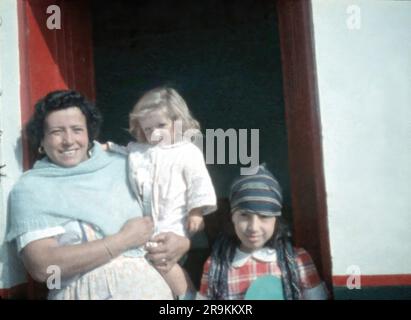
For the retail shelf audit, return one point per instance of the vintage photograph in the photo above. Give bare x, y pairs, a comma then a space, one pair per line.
205, 150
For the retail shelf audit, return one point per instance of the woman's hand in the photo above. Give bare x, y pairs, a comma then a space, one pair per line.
76, 259
135, 232
169, 249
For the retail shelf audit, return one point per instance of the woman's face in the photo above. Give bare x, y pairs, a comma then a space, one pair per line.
65, 139
252, 229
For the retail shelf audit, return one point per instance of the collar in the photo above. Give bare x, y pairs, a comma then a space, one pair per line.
138, 146
263, 254
171, 146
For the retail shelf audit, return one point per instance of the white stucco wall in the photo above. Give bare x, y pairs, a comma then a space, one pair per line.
11, 271
364, 80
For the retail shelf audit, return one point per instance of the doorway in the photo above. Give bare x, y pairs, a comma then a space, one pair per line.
222, 56
247, 65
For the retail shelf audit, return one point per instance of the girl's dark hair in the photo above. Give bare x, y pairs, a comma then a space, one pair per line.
223, 253
59, 100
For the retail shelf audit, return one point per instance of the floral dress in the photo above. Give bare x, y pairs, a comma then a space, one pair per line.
123, 278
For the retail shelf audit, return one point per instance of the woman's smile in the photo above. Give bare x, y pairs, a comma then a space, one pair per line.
69, 154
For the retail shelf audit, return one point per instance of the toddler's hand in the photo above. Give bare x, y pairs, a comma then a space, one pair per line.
104, 146
195, 223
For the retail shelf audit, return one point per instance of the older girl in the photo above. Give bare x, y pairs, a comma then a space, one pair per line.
259, 262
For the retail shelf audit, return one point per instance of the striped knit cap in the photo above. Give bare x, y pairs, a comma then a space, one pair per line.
260, 193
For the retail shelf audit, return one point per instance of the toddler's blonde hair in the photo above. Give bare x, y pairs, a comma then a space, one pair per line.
167, 100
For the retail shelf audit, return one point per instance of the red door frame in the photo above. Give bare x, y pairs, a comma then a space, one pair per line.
308, 194
51, 60
54, 59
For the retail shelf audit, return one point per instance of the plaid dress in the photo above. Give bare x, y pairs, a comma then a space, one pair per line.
242, 273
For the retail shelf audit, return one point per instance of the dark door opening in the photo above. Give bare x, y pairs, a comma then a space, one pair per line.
222, 56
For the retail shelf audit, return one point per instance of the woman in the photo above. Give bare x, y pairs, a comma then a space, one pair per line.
74, 212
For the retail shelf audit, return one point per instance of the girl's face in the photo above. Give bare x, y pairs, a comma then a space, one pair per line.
157, 128
252, 229
65, 139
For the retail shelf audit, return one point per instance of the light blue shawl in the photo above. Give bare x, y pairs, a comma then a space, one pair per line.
95, 191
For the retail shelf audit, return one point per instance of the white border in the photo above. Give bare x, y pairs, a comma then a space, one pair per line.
11, 271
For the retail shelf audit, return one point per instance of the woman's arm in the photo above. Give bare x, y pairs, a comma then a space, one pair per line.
111, 146
39, 255
170, 248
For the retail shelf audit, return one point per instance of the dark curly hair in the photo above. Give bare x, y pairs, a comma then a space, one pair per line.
59, 100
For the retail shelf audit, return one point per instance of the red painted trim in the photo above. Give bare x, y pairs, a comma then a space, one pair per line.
25, 103
308, 196
26, 111
16, 292
52, 60
376, 280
